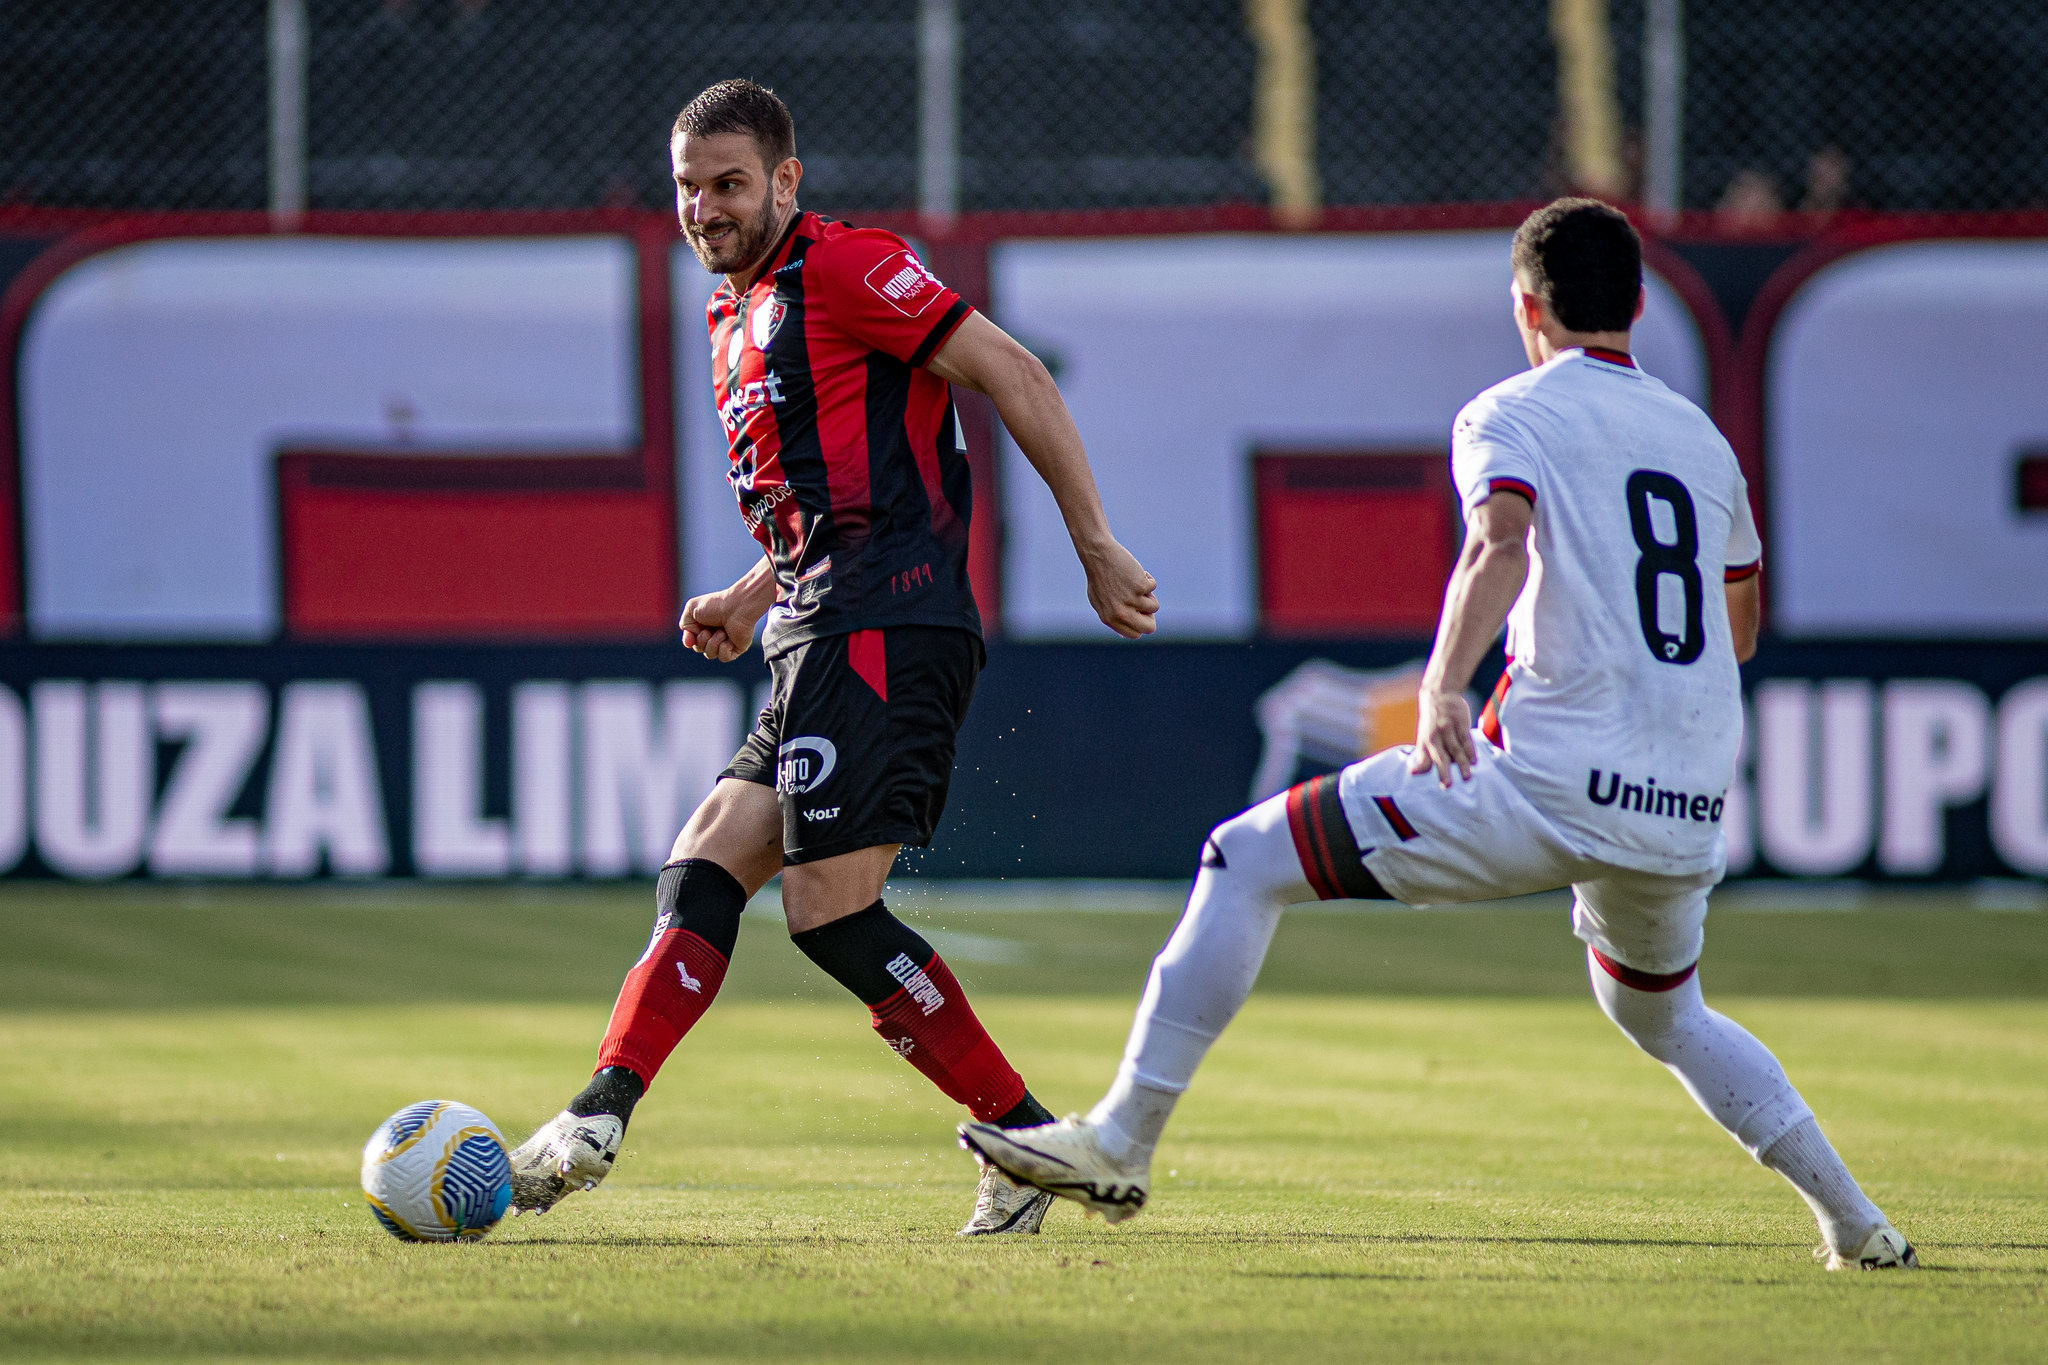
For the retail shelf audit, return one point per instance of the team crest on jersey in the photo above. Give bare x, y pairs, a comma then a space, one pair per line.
765, 321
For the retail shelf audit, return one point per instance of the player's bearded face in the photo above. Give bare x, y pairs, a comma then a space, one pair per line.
729, 223
736, 237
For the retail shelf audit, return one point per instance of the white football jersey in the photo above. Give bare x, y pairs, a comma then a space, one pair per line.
1621, 711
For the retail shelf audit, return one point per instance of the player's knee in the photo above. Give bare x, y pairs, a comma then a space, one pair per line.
1651, 1030
698, 895
738, 826
1654, 1020
1255, 850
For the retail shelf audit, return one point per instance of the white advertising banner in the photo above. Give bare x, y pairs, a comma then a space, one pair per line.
1179, 356
159, 380
1904, 383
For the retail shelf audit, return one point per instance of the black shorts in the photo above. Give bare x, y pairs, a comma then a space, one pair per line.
858, 735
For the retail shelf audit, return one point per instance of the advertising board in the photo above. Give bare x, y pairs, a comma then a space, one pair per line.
356, 553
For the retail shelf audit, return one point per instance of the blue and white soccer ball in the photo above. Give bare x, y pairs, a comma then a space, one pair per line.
437, 1171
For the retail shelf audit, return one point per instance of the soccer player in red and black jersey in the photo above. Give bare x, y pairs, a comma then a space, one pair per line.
833, 350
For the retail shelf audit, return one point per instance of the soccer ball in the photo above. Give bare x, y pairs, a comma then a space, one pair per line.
437, 1171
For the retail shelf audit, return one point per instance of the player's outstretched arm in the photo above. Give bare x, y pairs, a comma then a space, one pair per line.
1489, 576
983, 357
720, 625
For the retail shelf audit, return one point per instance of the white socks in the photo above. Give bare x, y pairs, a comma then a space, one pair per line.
1805, 1157
1720, 1063
1741, 1086
1201, 977
1251, 872
1130, 1118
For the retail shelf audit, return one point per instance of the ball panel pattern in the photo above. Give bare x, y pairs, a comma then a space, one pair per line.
391, 1223
437, 1171
473, 1170
397, 1134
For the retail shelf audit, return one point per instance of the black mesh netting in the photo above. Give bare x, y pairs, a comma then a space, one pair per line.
1887, 104
1890, 104
134, 105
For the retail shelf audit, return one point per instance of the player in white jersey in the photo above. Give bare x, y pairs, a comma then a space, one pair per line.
1602, 510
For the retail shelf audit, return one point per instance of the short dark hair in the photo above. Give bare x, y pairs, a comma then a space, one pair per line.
1583, 258
740, 106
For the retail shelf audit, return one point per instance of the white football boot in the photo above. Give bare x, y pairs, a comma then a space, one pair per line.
568, 1153
1064, 1159
1002, 1205
1883, 1249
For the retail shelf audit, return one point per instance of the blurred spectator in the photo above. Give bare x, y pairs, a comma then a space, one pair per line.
1750, 206
1827, 181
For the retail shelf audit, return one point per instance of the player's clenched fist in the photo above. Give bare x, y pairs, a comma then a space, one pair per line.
1122, 593
716, 627
1443, 735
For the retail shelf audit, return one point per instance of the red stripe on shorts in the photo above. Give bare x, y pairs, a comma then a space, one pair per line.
868, 656
1394, 817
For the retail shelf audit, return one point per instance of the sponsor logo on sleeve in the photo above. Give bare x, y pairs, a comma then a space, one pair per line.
902, 282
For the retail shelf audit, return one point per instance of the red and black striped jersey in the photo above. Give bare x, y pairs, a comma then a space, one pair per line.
846, 453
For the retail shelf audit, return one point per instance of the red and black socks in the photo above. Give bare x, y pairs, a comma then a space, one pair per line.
613, 1090
921, 1012
698, 905
1025, 1113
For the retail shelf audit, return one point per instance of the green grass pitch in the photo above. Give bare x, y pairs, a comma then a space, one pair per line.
1420, 1142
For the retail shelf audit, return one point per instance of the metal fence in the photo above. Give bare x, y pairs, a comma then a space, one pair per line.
1032, 104
1888, 104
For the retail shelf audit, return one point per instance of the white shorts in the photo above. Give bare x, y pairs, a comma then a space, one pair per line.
1481, 839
